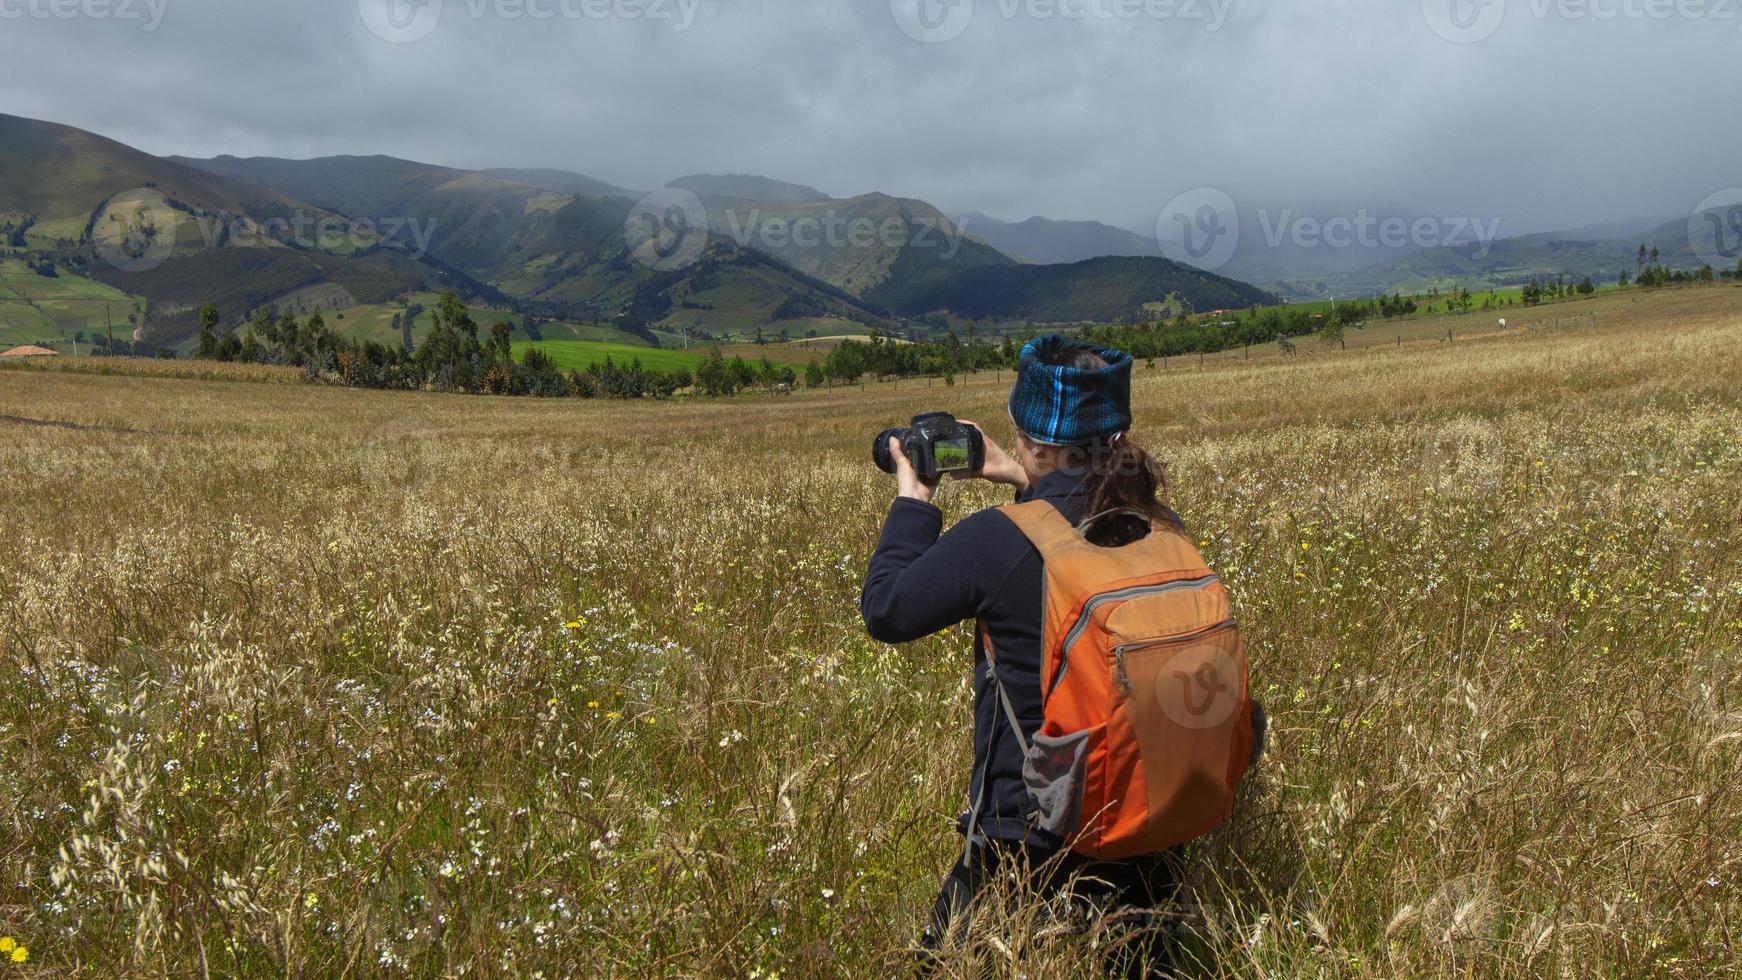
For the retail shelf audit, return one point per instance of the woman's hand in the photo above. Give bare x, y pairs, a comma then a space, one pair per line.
1000, 467
907, 481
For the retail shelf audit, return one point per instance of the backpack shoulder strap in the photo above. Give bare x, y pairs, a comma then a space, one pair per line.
1044, 527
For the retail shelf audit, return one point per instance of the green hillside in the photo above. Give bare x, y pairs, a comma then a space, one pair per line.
782, 258
38, 309
60, 176
782, 261
487, 227
560, 255
176, 237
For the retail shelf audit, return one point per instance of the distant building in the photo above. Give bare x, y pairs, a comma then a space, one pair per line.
20, 353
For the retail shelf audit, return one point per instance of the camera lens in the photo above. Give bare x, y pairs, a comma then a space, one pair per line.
880, 449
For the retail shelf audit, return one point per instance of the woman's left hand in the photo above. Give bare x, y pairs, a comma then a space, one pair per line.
1000, 467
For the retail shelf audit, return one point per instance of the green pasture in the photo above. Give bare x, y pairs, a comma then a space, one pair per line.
36, 308
578, 355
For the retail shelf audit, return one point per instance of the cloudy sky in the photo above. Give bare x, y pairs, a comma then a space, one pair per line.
1539, 113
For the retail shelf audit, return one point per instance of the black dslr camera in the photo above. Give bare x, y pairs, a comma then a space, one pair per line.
935, 444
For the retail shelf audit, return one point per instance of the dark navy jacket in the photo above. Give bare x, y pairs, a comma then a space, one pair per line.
919, 583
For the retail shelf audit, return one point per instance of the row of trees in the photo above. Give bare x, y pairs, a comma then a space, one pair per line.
454, 357
718, 376
1163, 339
1650, 274
451, 357
1657, 275
1534, 293
853, 359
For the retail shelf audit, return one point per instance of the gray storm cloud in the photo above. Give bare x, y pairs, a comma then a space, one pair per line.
1539, 113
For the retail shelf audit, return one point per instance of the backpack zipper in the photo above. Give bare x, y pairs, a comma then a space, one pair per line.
1135, 592
1119, 652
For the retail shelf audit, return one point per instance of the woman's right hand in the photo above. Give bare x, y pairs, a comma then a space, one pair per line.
907, 480
1000, 467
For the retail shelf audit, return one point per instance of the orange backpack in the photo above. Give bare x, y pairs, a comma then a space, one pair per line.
1148, 720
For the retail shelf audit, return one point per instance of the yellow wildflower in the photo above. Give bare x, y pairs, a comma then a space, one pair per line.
20, 955
8, 944
573, 624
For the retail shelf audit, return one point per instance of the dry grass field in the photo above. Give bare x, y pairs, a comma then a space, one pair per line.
319, 682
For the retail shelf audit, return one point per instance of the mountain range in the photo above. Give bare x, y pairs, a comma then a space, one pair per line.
1044, 240
706, 256
75, 195
1316, 270
753, 253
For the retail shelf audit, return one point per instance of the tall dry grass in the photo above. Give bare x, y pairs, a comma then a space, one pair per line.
322, 682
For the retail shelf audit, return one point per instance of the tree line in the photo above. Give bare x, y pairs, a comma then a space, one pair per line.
455, 357
851, 360
451, 357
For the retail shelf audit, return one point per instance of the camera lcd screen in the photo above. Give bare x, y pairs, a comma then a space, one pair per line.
952, 454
